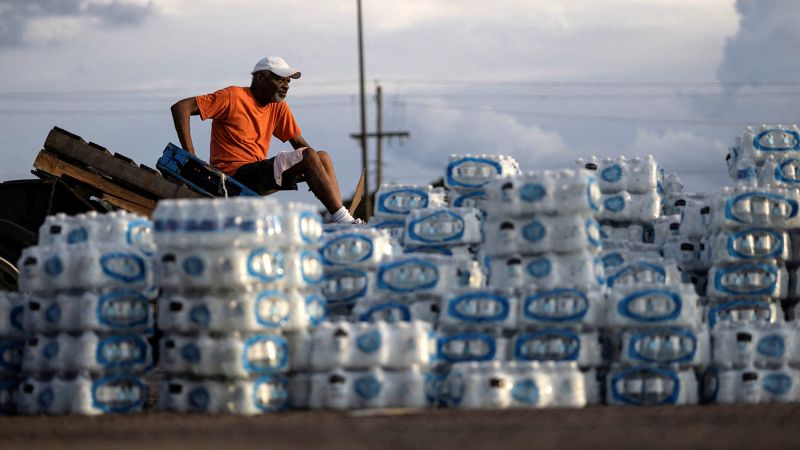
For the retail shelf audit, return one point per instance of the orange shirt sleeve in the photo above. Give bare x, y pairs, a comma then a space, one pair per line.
215, 105
285, 125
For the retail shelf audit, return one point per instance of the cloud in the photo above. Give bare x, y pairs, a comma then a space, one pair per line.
34, 21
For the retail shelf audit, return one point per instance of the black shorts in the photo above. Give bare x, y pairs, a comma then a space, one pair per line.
260, 177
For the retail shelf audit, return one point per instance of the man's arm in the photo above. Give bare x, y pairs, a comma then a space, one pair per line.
298, 142
181, 112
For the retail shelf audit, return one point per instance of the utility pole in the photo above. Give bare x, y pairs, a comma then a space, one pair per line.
380, 135
363, 135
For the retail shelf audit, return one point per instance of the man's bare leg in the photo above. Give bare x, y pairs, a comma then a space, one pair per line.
325, 159
323, 186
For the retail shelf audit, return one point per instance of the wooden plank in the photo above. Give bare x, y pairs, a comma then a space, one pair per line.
359, 193
118, 167
50, 163
129, 206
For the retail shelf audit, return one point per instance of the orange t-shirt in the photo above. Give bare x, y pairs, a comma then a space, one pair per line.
242, 129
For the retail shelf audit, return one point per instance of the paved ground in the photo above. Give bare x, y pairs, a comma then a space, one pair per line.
766, 426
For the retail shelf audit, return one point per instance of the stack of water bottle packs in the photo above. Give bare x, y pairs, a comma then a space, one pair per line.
658, 340
239, 277
520, 341
12, 344
87, 317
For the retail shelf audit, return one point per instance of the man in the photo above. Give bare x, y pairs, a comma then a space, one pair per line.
244, 121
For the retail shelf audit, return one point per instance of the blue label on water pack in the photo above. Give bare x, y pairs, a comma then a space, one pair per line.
554, 344
401, 201
556, 305
651, 305
15, 317
316, 309
345, 285
777, 140
309, 223
53, 266
775, 200
271, 393
367, 387
265, 354
11, 352
540, 267
788, 171
470, 199
662, 345
266, 265
439, 227
725, 279
479, 307
50, 350
77, 236
347, 249
593, 233
721, 312
612, 260
611, 173
191, 352
655, 272
387, 312
777, 384
642, 375
471, 172
534, 231
193, 266
532, 192
311, 267
272, 309
200, 315
122, 351
126, 267
407, 275
53, 313
739, 243
468, 346
119, 393
45, 399
772, 346
198, 399
525, 392
369, 342
123, 309
615, 203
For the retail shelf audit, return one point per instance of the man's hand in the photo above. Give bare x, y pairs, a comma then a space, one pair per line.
181, 112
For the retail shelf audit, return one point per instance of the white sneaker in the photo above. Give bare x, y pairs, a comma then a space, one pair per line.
358, 222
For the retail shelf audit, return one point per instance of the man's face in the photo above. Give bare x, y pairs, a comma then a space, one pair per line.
273, 87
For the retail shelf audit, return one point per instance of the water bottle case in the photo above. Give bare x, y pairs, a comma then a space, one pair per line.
740, 207
84, 395
653, 306
480, 307
472, 199
750, 386
443, 226
627, 207
247, 221
11, 356
263, 394
12, 314
515, 384
647, 385
236, 355
689, 254
542, 234
9, 387
751, 243
616, 254
396, 309
374, 388
459, 346
346, 285
760, 144
396, 227
744, 310
239, 269
117, 227
748, 278
644, 271
87, 352
87, 266
760, 345
112, 312
472, 172
559, 344
257, 311
362, 345
635, 175
667, 346
573, 307
549, 271
419, 273
363, 247
548, 192
397, 200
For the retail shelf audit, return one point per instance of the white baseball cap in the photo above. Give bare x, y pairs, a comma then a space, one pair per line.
276, 65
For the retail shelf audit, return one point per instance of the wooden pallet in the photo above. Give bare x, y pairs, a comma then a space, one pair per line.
116, 178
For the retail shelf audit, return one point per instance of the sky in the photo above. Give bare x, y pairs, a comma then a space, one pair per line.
546, 82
